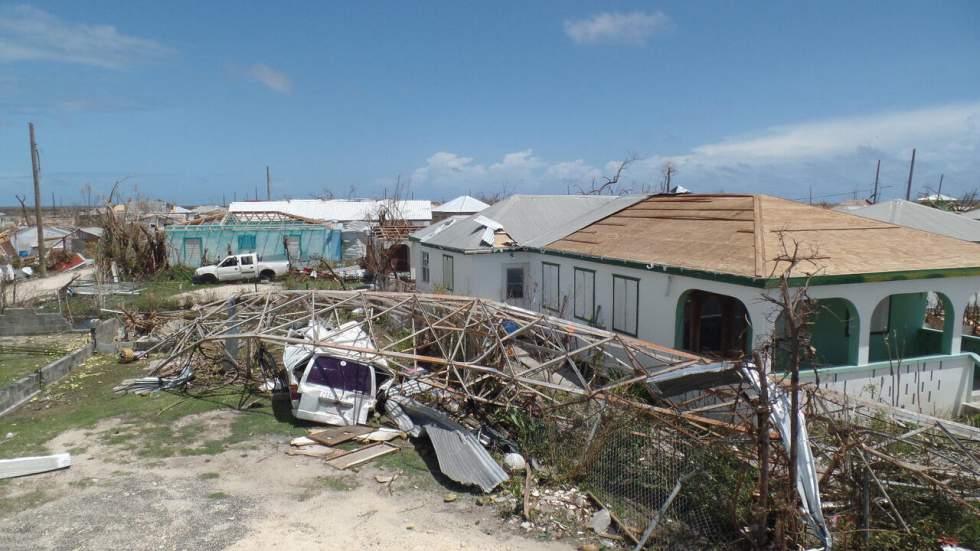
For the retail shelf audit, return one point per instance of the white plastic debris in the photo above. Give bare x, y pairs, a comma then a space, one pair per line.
514, 462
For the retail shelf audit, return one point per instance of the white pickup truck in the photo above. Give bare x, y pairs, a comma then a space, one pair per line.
240, 267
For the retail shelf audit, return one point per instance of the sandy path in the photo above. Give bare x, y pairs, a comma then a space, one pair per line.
251, 496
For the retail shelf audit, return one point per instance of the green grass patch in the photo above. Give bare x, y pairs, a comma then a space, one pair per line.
218, 495
21, 356
84, 398
209, 476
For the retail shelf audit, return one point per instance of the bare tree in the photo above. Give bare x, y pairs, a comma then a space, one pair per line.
22, 199
791, 340
609, 183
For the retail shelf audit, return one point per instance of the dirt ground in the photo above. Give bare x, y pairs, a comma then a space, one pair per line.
227, 290
249, 496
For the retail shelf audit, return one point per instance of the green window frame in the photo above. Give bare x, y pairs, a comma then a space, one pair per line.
584, 293
425, 267
626, 305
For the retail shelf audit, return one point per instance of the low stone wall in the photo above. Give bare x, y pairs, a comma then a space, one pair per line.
25, 322
25, 388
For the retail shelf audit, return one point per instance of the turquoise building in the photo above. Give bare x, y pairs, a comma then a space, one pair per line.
301, 242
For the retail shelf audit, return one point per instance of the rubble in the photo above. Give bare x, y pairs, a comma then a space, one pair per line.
666, 442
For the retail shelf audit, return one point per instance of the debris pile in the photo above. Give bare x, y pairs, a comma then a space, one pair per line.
667, 443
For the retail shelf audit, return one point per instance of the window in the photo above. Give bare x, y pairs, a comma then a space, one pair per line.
340, 374
246, 242
584, 294
550, 294
515, 283
447, 272
881, 315
229, 262
425, 267
247, 260
626, 296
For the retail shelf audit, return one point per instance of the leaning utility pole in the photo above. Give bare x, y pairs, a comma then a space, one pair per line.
268, 184
908, 189
874, 196
939, 191
36, 165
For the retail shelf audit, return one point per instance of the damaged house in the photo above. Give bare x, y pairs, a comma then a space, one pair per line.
359, 220
270, 235
692, 272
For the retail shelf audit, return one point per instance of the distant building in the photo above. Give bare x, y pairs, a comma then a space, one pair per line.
271, 236
22, 242
914, 215
464, 205
412, 212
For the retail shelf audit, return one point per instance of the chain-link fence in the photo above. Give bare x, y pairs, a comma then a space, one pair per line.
632, 464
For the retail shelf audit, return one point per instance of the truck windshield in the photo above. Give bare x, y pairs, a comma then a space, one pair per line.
340, 374
230, 261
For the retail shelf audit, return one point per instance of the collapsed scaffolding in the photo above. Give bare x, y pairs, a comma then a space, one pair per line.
674, 445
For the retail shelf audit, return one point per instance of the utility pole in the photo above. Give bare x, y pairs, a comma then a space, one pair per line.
36, 166
939, 192
908, 189
874, 196
268, 184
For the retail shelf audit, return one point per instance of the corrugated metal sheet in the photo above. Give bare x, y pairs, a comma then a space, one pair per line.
461, 456
336, 209
921, 217
526, 218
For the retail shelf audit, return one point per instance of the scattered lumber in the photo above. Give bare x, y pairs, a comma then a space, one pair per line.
362, 455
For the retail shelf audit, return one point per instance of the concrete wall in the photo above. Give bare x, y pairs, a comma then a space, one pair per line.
27, 322
24, 388
934, 385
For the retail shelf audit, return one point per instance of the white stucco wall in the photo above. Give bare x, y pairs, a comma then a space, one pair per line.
482, 275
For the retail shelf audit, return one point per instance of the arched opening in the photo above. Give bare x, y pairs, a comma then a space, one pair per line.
712, 325
910, 325
971, 327
834, 333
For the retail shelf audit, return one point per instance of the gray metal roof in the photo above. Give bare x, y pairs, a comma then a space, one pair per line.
921, 217
531, 220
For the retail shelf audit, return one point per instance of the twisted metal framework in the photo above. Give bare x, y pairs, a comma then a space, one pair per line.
605, 409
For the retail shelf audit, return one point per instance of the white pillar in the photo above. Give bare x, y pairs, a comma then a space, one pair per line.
865, 307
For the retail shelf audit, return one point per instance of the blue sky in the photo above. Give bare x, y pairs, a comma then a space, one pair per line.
190, 100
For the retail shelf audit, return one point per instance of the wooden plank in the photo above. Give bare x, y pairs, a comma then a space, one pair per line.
362, 455
24, 466
338, 435
317, 450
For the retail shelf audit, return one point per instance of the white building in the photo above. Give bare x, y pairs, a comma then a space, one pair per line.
464, 205
413, 212
694, 272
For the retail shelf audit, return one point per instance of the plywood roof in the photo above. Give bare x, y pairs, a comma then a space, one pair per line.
744, 235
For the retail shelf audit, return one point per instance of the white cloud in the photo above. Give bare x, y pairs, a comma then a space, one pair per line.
27, 34
271, 78
832, 156
635, 28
